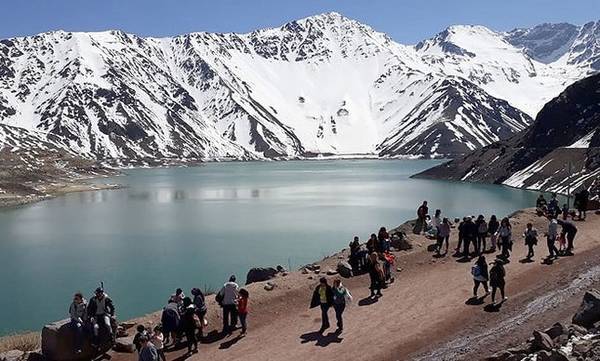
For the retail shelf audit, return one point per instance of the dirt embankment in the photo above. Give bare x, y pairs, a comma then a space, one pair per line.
422, 316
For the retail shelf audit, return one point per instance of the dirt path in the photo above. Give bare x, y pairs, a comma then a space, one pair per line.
423, 315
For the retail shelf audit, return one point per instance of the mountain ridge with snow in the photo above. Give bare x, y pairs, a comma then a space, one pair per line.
324, 84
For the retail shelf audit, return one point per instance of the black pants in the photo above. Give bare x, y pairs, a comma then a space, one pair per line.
570, 238
229, 317
467, 244
481, 243
552, 250
505, 243
530, 253
339, 311
192, 342
495, 288
324, 316
476, 286
460, 241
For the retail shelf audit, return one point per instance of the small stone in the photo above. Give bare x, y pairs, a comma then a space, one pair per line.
304, 271
269, 286
399, 269
542, 341
556, 330
331, 272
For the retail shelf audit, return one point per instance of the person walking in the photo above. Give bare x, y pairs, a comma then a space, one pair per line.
482, 230
228, 296
78, 316
493, 226
497, 280
505, 235
479, 271
341, 296
422, 212
569, 230
243, 309
531, 239
375, 275
323, 297
443, 236
101, 310
551, 237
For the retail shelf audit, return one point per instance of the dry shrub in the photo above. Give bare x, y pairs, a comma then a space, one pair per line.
25, 342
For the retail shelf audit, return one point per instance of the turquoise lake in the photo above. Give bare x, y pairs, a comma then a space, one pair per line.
193, 227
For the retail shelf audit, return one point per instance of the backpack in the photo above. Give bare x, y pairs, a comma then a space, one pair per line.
483, 228
476, 271
219, 298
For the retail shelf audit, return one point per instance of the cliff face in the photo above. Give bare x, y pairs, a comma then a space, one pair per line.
565, 134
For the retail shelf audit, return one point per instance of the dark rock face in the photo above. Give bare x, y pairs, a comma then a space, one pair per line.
545, 42
565, 120
589, 311
260, 274
344, 269
58, 344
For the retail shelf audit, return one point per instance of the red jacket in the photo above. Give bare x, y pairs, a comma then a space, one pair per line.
242, 305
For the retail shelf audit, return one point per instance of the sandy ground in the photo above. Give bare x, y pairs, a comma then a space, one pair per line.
423, 315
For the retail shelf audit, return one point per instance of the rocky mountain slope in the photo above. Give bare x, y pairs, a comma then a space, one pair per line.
560, 150
321, 85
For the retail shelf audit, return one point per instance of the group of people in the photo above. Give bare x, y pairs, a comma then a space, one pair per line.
326, 297
95, 316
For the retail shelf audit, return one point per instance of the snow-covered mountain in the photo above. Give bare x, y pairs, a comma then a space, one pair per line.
321, 85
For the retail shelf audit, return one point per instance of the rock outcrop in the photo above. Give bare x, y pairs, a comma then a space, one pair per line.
58, 343
589, 311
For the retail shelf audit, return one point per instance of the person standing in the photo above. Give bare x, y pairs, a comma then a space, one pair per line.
372, 243
422, 212
341, 296
497, 280
461, 234
78, 315
531, 239
582, 198
243, 309
569, 230
323, 297
376, 275
228, 295
470, 236
505, 234
158, 340
493, 226
383, 240
443, 236
553, 207
482, 230
200, 304
479, 271
551, 237
189, 324
101, 310
170, 320
354, 258
147, 350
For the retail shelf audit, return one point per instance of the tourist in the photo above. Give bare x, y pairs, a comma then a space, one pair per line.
147, 351
354, 254
78, 315
383, 240
482, 230
470, 236
242, 305
497, 276
323, 297
531, 239
553, 207
200, 304
101, 310
341, 296
493, 226
178, 297
422, 212
170, 320
388, 261
372, 243
189, 324
443, 236
479, 271
569, 230
541, 205
551, 237
581, 203
228, 295
461, 234
141, 331
505, 235
158, 340
375, 275
565, 212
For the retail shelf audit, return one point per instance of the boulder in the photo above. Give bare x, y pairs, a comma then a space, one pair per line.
58, 343
576, 330
541, 341
13, 355
124, 344
589, 311
331, 272
400, 242
344, 269
269, 286
555, 331
260, 274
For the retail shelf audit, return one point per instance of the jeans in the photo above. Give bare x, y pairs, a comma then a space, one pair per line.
339, 311
530, 250
243, 321
476, 286
229, 317
552, 250
324, 316
481, 243
494, 288
77, 328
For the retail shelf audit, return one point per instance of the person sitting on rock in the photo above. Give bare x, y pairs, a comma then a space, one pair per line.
323, 297
78, 315
101, 310
147, 350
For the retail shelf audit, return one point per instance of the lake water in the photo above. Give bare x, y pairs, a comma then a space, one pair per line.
193, 227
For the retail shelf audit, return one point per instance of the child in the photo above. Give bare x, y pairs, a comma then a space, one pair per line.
141, 332
562, 243
388, 262
158, 341
243, 309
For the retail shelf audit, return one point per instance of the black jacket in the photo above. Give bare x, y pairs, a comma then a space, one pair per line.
109, 308
316, 298
470, 230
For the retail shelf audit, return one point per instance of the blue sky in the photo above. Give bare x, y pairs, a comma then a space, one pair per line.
405, 21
